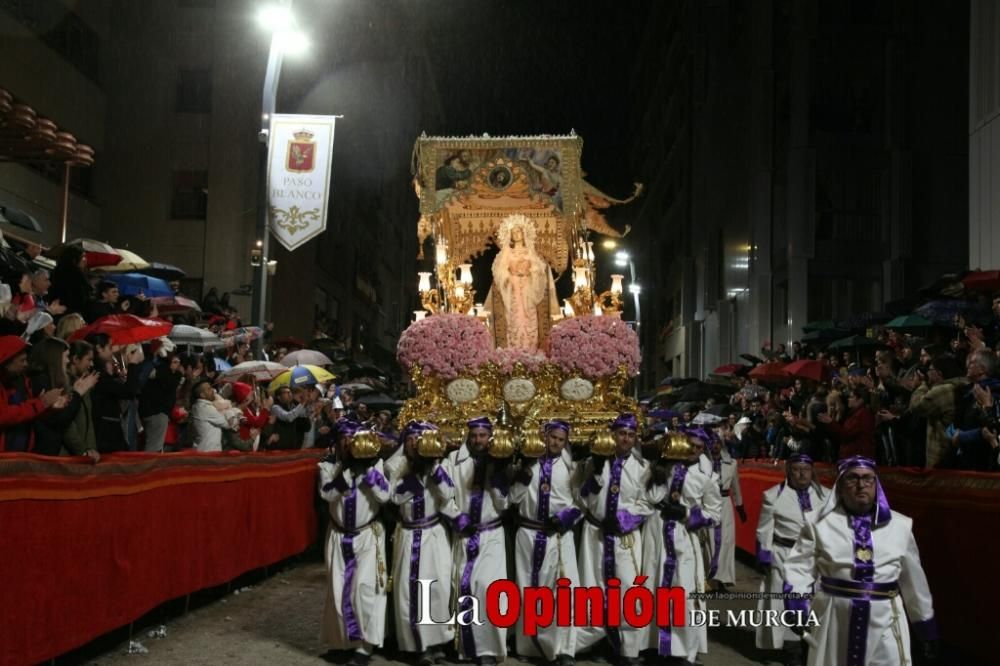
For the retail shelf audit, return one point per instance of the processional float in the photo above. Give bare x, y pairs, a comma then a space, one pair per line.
516, 354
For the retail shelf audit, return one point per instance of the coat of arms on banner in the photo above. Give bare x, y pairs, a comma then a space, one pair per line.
301, 152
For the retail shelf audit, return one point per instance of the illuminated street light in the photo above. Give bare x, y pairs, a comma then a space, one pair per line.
609, 244
275, 18
622, 258
634, 289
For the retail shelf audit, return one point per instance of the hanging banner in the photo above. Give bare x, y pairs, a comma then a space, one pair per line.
298, 176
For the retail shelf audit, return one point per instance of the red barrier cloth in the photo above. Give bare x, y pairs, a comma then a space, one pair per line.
955, 515
86, 548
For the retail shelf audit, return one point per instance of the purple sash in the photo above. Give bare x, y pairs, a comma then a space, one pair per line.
472, 552
350, 562
863, 572
670, 564
610, 541
804, 502
418, 516
541, 540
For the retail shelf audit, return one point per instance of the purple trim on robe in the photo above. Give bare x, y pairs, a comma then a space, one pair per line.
350, 565
541, 539
610, 542
670, 564
418, 515
764, 556
409, 484
804, 502
569, 517
927, 630
374, 478
440, 477
697, 520
628, 521
461, 521
794, 604
472, 552
857, 631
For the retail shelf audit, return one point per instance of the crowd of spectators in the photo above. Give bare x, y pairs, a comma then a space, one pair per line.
912, 401
62, 394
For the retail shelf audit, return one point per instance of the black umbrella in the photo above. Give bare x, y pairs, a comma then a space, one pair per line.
753, 359
379, 401
702, 391
825, 335
163, 271
722, 410
18, 218
856, 342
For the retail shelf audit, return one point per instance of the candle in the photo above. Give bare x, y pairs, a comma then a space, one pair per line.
424, 283
465, 273
419, 314
616, 284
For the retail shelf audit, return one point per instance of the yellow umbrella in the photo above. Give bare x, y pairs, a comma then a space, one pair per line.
301, 375
130, 262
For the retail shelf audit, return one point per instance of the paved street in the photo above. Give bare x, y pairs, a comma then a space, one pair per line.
277, 622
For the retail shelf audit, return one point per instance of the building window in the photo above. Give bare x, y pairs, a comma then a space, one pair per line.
189, 200
194, 91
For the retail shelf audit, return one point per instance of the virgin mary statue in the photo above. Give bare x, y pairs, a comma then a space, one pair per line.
523, 281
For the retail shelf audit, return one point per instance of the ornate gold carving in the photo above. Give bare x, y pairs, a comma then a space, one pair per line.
589, 418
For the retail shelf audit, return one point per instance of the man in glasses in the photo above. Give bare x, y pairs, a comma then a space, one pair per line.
861, 560
785, 509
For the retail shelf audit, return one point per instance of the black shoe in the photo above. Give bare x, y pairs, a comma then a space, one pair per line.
565, 660
488, 660
437, 654
628, 661
358, 659
425, 659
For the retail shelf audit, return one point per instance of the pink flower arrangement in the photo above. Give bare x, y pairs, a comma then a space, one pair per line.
445, 345
594, 346
505, 358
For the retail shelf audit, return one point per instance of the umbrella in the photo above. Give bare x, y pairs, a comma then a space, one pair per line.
982, 281
129, 263
163, 271
664, 414
245, 334
808, 369
753, 359
135, 284
291, 342
222, 365
12, 265
721, 410
824, 335
856, 342
192, 336
262, 371
305, 357
175, 304
822, 325
98, 254
704, 418
729, 369
771, 373
677, 381
944, 311
125, 329
751, 391
701, 391
18, 218
301, 375
379, 401
909, 322
357, 388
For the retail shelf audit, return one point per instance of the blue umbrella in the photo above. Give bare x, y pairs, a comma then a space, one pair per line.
132, 284
945, 311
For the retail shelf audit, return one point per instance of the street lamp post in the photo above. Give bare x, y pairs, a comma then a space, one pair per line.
623, 259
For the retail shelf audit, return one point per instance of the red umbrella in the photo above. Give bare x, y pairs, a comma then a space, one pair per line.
126, 329
729, 369
175, 304
808, 369
771, 373
98, 253
982, 281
